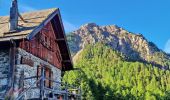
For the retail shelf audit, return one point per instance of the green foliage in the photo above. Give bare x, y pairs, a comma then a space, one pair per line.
106, 75
73, 42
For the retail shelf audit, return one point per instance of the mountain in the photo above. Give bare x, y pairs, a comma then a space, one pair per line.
115, 64
134, 46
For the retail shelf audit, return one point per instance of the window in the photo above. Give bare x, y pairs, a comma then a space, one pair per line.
48, 75
26, 46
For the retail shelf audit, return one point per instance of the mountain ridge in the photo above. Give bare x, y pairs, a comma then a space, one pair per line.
115, 64
135, 46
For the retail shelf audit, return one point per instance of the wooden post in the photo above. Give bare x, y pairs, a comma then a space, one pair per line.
42, 83
66, 95
11, 76
80, 92
21, 82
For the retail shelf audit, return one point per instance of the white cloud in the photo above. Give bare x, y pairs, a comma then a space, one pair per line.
167, 46
25, 8
69, 26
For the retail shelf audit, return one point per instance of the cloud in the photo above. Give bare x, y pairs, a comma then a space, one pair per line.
69, 26
167, 46
25, 8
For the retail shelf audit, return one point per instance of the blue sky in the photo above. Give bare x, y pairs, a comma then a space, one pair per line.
149, 17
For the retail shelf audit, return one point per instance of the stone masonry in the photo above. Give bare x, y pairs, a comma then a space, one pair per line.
31, 71
4, 66
24, 71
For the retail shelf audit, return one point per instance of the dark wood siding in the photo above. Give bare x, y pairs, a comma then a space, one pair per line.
44, 46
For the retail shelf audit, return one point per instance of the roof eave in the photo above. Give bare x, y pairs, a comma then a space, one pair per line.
3, 39
62, 26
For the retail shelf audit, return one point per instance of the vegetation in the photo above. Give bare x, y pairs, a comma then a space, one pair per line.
106, 75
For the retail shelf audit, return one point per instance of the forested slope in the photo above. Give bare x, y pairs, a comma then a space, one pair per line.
107, 74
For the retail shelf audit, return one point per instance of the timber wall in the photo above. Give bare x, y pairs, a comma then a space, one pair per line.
44, 46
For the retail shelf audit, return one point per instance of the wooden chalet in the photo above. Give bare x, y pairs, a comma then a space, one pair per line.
33, 54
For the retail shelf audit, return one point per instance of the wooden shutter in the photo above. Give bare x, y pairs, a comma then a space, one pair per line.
38, 74
51, 77
47, 75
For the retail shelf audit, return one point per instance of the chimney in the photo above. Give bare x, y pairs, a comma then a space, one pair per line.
13, 21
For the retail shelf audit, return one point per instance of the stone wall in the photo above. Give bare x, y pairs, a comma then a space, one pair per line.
30, 70
4, 66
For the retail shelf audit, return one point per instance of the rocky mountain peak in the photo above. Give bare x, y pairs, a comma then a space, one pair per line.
89, 25
135, 46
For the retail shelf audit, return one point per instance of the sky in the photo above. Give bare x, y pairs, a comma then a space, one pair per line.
148, 17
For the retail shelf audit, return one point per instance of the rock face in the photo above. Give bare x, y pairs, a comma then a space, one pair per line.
134, 46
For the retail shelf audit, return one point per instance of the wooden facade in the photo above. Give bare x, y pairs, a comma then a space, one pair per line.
44, 46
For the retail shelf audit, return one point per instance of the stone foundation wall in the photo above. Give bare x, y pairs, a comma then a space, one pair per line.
30, 70
4, 66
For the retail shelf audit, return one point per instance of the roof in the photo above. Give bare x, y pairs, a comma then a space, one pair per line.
33, 20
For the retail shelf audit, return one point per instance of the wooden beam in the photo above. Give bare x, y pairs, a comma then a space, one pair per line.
42, 83
61, 39
66, 61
